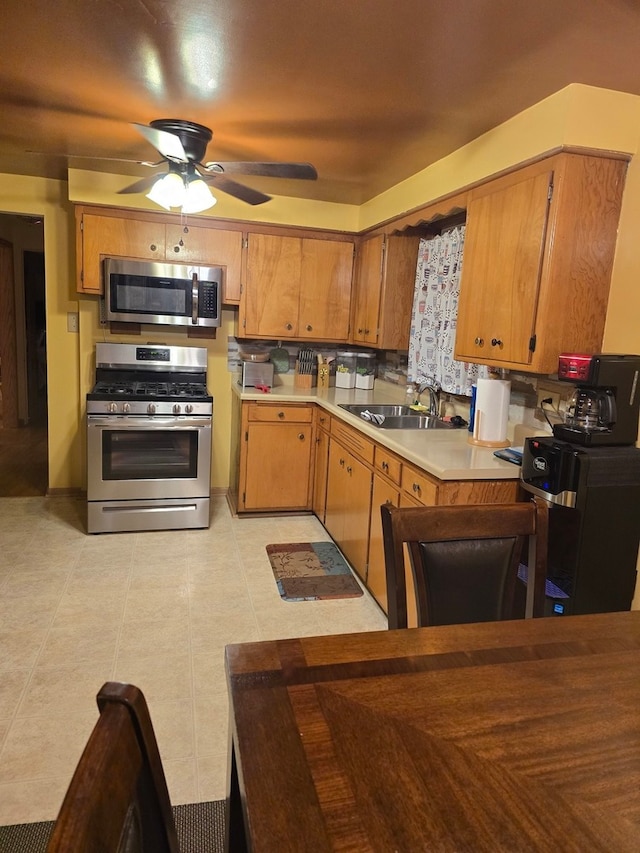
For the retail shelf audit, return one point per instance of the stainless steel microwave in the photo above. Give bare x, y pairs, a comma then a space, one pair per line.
169, 294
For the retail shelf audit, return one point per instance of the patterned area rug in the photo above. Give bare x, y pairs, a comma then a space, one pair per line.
200, 828
307, 571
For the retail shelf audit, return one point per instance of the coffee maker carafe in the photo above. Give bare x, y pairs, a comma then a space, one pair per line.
604, 407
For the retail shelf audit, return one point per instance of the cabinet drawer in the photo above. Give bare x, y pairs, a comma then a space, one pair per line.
352, 440
388, 464
419, 485
283, 413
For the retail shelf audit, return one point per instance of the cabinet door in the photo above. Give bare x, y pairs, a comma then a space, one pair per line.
335, 508
325, 290
212, 247
320, 474
102, 236
355, 534
278, 466
269, 303
369, 262
383, 493
501, 272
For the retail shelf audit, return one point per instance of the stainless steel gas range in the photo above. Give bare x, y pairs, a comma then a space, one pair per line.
149, 427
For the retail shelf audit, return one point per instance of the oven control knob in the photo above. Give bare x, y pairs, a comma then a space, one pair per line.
177, 408
126, 407
112, 407
188, 408
151, 408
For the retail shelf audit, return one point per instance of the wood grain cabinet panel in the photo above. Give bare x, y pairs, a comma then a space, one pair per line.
276, 458
100, 235
297, 288
538, 256
385, 276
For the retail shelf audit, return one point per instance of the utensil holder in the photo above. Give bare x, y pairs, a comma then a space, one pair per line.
304, 380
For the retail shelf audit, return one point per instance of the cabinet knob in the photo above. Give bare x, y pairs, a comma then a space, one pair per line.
416, 487
479, 342
496, 342
176, 248
366, 331
153, 247
385, 466
342, 463
301, 436
280, 414
360, 331
349, 469
288, 327
309, 328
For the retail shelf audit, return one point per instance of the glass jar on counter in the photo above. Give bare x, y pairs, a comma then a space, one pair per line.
365, 369
345, 369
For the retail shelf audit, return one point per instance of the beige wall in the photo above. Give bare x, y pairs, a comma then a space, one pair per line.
578, 115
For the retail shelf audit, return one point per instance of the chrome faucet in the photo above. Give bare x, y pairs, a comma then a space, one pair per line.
434, 397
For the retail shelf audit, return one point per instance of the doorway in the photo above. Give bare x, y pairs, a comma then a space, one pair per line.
23, 434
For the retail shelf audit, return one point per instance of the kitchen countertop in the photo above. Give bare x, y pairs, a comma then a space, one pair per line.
444, 453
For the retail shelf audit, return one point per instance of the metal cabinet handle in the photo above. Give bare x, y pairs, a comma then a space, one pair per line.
360, 331
342, 463
479, 342
385, 466
301, 436
153, 247
496, 342
416, 488
288, 327
280, 414
349, 469
309, 328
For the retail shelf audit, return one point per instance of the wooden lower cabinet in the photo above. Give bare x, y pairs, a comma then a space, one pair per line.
383, 493
319, 500
348, 505
276, 457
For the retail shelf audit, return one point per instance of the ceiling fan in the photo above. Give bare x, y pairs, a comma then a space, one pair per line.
183, 145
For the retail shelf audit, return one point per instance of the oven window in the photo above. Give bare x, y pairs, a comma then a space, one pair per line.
153, 454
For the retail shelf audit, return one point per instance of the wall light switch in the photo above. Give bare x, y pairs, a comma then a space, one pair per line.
73, 324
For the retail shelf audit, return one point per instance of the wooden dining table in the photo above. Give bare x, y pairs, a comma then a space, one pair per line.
503, 736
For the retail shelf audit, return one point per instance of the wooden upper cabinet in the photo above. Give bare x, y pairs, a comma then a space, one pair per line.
103, 235
325, 290
538, 255
297, 288
384, 285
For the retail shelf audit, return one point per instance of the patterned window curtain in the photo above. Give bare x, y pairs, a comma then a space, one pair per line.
435, 311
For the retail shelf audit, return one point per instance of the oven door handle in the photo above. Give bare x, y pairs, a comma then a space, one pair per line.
144, 423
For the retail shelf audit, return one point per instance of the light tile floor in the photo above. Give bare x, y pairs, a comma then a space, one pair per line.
154, 609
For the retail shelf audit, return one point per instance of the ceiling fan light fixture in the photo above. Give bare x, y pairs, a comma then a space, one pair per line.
169, 191
198, 197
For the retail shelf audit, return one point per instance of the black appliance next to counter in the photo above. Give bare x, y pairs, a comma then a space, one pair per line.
594, 522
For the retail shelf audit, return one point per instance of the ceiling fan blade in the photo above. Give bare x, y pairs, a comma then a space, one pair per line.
140, 186
96, 157
301, 171
168, 144
236, 190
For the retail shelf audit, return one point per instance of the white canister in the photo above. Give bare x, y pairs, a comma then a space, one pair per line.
345, 369
365, 369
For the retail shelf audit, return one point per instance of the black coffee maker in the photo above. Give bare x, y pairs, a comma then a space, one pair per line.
604, 407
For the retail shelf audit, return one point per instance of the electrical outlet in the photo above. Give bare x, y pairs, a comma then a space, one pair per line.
72, 321
548, 394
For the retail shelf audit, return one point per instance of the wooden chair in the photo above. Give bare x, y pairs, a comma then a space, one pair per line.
464, 561
118, 798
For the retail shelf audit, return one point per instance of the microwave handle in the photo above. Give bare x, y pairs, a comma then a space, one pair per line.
194, 298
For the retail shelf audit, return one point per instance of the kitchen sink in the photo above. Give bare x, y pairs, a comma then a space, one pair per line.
395, 417
386, 411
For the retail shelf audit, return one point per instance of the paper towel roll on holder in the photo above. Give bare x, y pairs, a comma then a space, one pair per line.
491, 414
